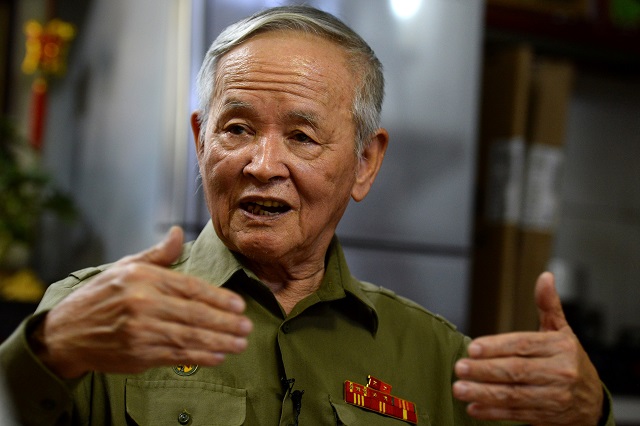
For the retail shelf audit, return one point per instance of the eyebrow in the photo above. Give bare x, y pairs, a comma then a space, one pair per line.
235, 104
305, 117
299, 116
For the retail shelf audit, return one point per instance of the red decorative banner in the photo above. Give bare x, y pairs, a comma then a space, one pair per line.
46, 48
38, 113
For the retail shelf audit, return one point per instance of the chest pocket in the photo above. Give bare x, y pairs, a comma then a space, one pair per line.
350, 415
171, 402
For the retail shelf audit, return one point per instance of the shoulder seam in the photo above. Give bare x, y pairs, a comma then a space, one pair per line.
372, 288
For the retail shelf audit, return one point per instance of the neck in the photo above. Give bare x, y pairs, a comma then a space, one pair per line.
291, 289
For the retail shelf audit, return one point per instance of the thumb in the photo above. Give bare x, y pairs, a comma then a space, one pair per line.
550, 311
164, 253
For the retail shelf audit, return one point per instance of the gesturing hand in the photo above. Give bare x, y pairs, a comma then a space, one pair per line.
540, 378
138, 314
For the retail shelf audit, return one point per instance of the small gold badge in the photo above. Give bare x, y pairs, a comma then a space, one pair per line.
185, 370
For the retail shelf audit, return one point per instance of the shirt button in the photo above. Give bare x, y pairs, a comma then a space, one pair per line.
183, 418
286, 328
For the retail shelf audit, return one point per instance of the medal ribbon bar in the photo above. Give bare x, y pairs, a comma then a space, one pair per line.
379, 401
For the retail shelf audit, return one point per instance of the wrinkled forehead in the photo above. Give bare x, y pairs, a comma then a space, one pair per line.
287, 61
310, 55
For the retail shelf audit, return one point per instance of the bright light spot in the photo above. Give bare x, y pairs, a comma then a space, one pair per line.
405, 9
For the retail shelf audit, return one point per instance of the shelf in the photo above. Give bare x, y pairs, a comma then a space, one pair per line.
592, 42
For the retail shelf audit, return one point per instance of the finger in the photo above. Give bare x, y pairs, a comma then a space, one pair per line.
549, 306
524, 344
514, 397
516, 370
192, 288
144, 281
177, 340
199, 315
217, 297
161, 343
164, 253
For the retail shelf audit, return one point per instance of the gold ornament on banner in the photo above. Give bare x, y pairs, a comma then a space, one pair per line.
47, 47
46, 55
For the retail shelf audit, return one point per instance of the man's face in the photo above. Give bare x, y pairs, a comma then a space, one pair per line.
278, 162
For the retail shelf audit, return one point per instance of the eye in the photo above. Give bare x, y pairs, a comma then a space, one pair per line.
236, 129
302, 138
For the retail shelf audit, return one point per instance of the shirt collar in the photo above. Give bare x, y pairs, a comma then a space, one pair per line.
209, 259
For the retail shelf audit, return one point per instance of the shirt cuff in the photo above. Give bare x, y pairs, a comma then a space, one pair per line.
39, 396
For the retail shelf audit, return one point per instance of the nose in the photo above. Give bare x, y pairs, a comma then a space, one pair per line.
268, 161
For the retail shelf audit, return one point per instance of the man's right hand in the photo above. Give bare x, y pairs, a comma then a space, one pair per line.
139, 314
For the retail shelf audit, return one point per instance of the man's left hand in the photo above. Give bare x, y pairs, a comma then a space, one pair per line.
540, 378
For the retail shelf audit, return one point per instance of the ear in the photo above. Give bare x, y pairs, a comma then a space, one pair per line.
195, 128
369, 164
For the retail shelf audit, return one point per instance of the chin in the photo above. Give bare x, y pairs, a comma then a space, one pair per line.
259, 249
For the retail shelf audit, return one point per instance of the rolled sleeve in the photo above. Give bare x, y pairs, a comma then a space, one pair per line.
38, 395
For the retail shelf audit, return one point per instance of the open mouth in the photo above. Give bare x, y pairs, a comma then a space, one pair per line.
265, 208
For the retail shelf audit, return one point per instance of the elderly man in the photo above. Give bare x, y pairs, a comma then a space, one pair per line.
259, 321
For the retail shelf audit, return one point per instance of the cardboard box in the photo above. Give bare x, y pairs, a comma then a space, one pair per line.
504, 111
522, 132
549, 106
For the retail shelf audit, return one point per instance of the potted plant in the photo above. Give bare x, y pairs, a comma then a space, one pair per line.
26, 193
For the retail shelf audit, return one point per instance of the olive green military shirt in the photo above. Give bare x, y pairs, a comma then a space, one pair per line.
345, 331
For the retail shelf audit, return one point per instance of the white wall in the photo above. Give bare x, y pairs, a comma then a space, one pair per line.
110, 128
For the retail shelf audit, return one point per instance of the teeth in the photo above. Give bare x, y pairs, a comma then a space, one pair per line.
269, 203
260, 212
256, 208
265, 213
